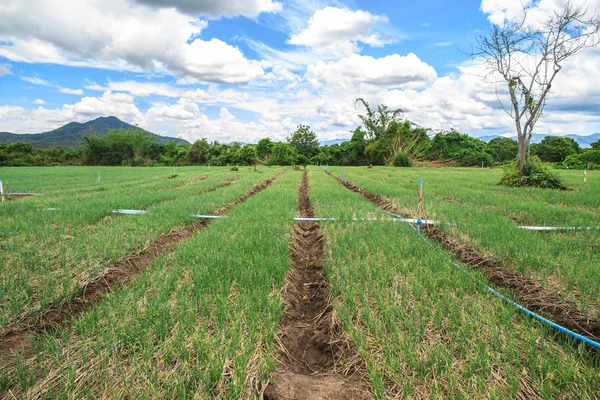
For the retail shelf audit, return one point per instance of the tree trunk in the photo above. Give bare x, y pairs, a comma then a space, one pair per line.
522, 154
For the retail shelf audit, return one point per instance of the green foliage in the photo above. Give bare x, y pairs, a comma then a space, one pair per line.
537, 174
304, 141
596, 145
118, 147
19, 154
556, 148
282, 154
586, 158
264, 148
378, 121
402, 160
503, 149
467, 151
199, 152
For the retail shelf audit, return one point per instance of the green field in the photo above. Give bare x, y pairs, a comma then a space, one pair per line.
201, 318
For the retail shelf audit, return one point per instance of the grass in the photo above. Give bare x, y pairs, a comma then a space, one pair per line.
485, 216
199, 322
426, 330
47, 256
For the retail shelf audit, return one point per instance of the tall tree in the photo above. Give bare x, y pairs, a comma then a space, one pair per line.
304, 141
527, 57
377, 122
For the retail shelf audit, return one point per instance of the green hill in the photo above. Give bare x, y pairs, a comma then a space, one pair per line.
70, 135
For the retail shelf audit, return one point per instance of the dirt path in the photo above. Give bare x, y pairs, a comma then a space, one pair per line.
529, 293
15, 339
312, 346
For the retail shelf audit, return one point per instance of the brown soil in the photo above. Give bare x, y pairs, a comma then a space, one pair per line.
528, 292
200, 178
316, 360
172, 176
16, 196
16, 339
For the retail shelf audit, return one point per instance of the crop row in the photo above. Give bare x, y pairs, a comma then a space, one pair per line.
44, 263
198, 322
482, 216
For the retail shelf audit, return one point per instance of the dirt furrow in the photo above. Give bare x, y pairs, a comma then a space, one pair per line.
316, 360
15, 339
529, 293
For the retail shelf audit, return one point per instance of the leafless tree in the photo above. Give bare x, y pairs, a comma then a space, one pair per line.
527, 58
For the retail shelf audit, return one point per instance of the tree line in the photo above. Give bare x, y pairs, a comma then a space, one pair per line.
384, 139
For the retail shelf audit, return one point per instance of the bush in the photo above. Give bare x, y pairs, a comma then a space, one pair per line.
402, 160
474, 158
581, 161
537, 174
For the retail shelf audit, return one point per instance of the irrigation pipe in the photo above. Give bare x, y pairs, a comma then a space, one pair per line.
398, 219
532, 314
559, 228
527, 311
134, 212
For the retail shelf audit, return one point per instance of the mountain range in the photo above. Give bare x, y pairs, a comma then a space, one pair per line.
70, 136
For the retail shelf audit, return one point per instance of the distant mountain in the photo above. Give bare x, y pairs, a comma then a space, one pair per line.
584, 141
334, 141
70, 135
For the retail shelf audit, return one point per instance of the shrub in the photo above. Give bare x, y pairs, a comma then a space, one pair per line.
474, 158
581, 161
402, 160
537, 174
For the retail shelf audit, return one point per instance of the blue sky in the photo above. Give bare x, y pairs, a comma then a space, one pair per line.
245, 69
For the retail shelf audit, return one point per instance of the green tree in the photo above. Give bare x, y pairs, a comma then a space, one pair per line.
377, 122
264, 148
556, 148
199, 152
304, 141
503, 149
466, 150
282, 154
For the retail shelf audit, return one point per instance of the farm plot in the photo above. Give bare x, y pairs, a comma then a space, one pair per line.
425, 329
199, 322
43, 268
563, 264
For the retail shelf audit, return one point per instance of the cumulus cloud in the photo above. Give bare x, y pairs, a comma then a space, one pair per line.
218, 8
39, 101
392, 71
333, 25
500, 11
21, 120
119, 35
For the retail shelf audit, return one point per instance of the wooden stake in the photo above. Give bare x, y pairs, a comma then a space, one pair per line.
420, 215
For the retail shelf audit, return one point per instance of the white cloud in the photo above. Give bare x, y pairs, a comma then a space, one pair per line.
119, 35
218, 8
36, 81
5, 69
332, 26
443, 44
538, 11
22, 120
71, 91
392, 71
39, 101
